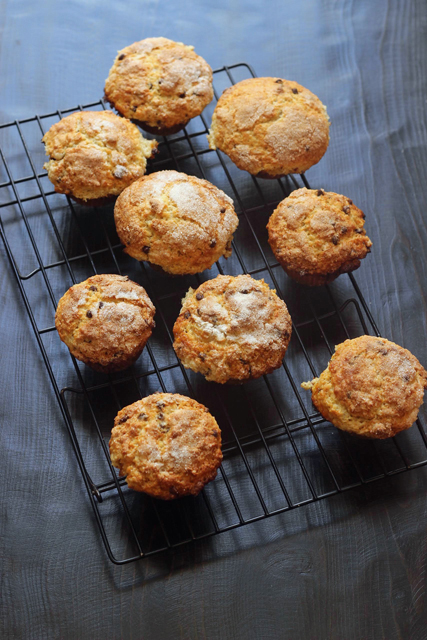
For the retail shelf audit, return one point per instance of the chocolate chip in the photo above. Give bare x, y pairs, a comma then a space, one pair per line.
212, 244
145, 249
245, 291
199, 296
344, 229
406, 377
215, 433
320, 192
384, 352
101, 304
307, 148
160, 81
202, 356
358, 231
122, 56
182, 95
294, 90
173, 491
187, 314
160, 416
348, 394
58, 180
123, 419
363, 216
134, 108
160, 404
142, 416
222, 210
92, 288
335, 239
279, 81
346, 210
150, 85
88, 314
350, 201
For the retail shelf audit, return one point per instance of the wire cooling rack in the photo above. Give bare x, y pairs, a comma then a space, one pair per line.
278, 453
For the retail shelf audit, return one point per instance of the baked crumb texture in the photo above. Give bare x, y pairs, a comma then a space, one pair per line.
167, 445
372, 387
95, 154
178, 222
105, 321
160, 83
270, 127
232, 329
317, 235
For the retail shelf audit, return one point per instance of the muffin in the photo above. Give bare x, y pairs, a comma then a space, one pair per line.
317, 235
105, 321
160, 83
371, 387
94, 155
167, 445
232, 329
177, 222
270, 127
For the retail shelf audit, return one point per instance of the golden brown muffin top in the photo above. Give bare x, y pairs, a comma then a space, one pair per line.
270, 126
232, 328
160, 82
178, 222
313, 231
95, 154
167, 445
105, 321
372, 387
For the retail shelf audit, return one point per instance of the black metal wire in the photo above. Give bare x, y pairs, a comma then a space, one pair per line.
240, 485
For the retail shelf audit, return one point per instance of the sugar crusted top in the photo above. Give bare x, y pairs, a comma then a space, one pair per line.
105, 321
95, 154
232, 328
168, 445
160, 82
178, 222
270, 126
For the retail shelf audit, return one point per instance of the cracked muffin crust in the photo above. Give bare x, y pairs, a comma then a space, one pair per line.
177, 222
95, 155
105, 321
318, 235
270, 127
160, 83
232, 329
372, 387
167, 445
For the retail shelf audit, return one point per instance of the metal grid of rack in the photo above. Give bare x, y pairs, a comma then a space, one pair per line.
278, 453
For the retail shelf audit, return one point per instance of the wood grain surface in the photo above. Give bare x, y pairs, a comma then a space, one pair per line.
352, 567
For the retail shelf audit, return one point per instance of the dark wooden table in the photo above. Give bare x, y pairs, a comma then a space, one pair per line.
350, 567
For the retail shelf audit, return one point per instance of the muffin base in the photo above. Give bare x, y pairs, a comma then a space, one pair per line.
161, 131
95, 202
266, 176
114, 365
160, 269
319, 279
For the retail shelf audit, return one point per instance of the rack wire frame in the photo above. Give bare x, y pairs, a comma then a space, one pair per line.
238, 446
